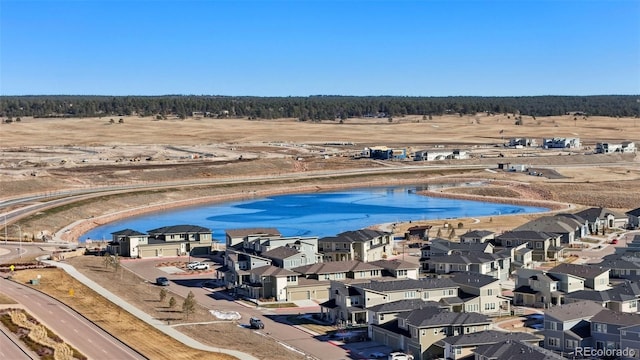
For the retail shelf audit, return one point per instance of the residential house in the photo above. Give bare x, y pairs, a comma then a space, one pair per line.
481, 294
440, 154
126, 243
522, 257
568, 226
235, 237
417, 332
561, 143
268, 282
364, 245
631, 250
418, 233
514, 350
398, 269
623, 297
376, 292
477, 236
462, 346
176, 240
610, 330
545, 246
385, 312
496, 265
622, 267
568, 326
539, 289
288, 257
595, 277
634, 218
599, 219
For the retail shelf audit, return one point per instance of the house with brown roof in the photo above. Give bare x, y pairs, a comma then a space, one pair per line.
234, 237
477, 236
418, 233
268, 282
398, 269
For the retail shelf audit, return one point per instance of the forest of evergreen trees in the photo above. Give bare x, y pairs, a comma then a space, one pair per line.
312, 108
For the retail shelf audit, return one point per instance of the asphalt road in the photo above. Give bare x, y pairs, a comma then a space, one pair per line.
85, 336
218, 300
10, 350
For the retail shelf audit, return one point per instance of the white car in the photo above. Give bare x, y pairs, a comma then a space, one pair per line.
197, 266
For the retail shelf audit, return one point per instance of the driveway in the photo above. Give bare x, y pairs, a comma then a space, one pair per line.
218, 299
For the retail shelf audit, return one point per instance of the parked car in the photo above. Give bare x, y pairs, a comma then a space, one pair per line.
162, 281
399, 356
197, 266
256, 323
614, 241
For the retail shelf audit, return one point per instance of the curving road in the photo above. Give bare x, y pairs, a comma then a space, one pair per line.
77, 331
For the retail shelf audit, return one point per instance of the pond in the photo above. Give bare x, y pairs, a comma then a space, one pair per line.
315, 214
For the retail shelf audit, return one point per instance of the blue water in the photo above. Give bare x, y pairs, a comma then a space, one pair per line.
317, 214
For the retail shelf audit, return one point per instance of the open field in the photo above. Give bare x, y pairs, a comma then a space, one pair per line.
49, 155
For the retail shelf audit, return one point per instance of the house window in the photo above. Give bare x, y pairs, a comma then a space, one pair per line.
509, 243
601, 328
553, 341
292, 278
355, 300
489, 292
538, 245
327, 276
402, 272
550, 325
458, 351
425, 294
571, 344
375, 273
410, 294
490, 306
633, 303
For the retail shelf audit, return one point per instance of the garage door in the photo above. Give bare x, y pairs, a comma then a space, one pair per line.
299, 295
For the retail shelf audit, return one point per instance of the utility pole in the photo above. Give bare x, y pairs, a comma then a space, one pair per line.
20, 239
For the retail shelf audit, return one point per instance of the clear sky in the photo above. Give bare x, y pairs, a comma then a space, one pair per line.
300, 48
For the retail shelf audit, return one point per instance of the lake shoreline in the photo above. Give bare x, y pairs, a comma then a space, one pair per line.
81, 227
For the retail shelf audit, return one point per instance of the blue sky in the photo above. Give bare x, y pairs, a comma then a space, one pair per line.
300, 48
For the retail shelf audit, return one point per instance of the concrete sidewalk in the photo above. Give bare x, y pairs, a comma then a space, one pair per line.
160, 325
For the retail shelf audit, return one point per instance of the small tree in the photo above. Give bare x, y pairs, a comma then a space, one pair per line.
121, 121
158, 117
172, 302
452, 234
460, 225
430, 117
189, 304
18, 119
106, 259
111, 121
390, 119
163, 295
439, 233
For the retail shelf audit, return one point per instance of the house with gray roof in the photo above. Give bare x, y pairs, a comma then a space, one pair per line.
383, 313
236, 237
622, 267
481, 294
634, 218
514, 350
398, 269
595, 277
599, 219
462, 346
540, 289
609, 330
570, 228
495, 265
364, 245
545, 246
288, 257
477, 236
127, 243
623, 297
568, 326
175, 240
366, 294
417, 332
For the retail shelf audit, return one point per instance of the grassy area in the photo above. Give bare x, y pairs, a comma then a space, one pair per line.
278, 305
310, 324
112, 318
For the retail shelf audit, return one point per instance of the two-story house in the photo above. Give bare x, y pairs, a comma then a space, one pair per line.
568, 326
462, 346
363, 245
477, 236
514, 350
398, 268
538, 289
175, 240
417, 332
595, 277
622, 267
268, 282
609, 330
126, 243
623, 297
235, 238
495, 265
365, 294
544, 246
481, 294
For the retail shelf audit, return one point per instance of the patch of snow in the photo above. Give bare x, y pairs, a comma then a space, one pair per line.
226, 315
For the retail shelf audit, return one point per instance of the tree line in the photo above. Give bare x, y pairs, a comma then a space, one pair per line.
312, 108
